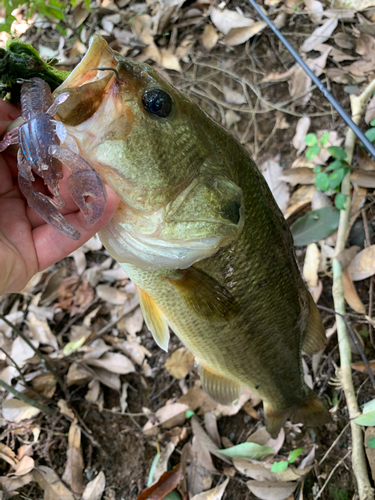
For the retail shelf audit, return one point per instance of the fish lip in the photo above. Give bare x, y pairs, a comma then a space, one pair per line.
99, 54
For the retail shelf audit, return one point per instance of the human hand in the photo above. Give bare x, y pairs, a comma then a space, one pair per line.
27, 243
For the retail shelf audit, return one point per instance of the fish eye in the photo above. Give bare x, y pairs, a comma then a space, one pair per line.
157, 102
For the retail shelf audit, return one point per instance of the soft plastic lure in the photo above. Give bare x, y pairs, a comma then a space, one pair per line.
41, 152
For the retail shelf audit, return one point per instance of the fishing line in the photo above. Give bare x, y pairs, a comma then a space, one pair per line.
341, 111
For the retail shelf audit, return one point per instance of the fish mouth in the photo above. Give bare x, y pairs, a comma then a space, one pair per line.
99, 55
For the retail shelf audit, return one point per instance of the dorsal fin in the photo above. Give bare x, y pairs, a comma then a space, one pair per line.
204, 295
219, 388
316, 339
154, 319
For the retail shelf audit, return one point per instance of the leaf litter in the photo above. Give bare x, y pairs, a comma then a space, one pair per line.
148, 399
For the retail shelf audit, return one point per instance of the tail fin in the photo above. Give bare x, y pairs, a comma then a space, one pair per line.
311, 412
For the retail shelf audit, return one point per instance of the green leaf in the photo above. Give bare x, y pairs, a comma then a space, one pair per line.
152, 470
189, 413
294, 455
312, 152
334, 165
87, 5
173, 495
371, 442
248, 450
337, 152
71, 347
372, 122
311, 140
370, 134
61, 30
336, 177
315, 225
324, 139
317, 169
279, 466
321, 181
368, 415
340, 200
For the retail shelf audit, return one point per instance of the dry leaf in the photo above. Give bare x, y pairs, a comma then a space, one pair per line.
314, 9
361, 367
363, 264
77, 375
267, 490
109, 379
113, 362
302, 129
226, 19
370, 111
350, 294
263, 472
44, 384
206, 441
8, 455
24, 466
196, 398
112, 295
237, 36
133, 324
214, 494
233, 97
16, 410
12, 484
230, 410
162, 464
166, 484
320, 35
344, 40
263, 438
210, 423
65, 410
49, 481
41, 331
79, 255
180, 363
95, 488
311, 264
210, 37
370, 450
73, 474
21, 351
272, 172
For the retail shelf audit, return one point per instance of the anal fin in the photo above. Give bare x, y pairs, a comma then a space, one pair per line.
316, 339
205, 296
154, 319
219, 388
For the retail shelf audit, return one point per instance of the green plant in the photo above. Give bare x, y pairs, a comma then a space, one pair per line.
52, 9
281, 466
328, 178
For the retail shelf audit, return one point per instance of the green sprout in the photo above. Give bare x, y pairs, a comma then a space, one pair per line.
281, 466
329, 178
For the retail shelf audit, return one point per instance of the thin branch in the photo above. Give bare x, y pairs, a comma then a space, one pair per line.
358, 455
26, 399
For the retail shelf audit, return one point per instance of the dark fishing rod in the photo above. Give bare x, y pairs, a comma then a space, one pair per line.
341, 111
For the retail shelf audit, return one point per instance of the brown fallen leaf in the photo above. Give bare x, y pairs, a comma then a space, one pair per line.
73, 474
113, 362
10, 485
210, 37
272, 172
319, 35
370, 450
196, 398
50, 482
95, 488
263, 438
370, 110
8, 455
16, 410
262, 472
237, 36
180, 363
302, 129
168, 416
214, 494
166, 484
24, 466
267, 490
205, 440
363, 264
226, 19
350, 294
112, 295
314, 9
361, 367
311, 264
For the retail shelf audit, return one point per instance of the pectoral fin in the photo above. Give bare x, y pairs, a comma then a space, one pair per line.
219, 388
154, 319
205, 296
316, 339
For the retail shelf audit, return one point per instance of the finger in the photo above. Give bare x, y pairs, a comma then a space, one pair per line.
8, 113
52, 246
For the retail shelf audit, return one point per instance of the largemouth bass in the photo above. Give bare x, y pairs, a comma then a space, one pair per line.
199, 233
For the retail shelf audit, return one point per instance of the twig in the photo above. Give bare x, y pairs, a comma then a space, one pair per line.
334, 444
26, 399
45, 361
355, 341
358, 456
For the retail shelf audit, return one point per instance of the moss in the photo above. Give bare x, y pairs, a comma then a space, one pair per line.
21, 61
335, 493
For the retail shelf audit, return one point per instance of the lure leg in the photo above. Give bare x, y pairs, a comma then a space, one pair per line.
45, 208
9, 138
83, 183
